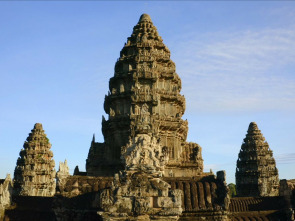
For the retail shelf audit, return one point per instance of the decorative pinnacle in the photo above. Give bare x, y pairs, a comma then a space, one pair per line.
145, 17
253, 126
38, 126
93, 138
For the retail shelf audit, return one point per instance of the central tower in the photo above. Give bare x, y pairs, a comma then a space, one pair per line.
144, 98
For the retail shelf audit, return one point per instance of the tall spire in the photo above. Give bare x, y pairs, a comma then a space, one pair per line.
145, 17
93, 138
34, 174
144, 98
253, 133
252, 127
144, 31
256, 173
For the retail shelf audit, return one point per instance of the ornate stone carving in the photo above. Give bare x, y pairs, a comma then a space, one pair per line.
149, 102
138, 192
5, 194
144, 153
224, 192
145, 170
34, 174
62, 175
256, 173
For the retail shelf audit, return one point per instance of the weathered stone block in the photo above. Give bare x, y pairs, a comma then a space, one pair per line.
163, 202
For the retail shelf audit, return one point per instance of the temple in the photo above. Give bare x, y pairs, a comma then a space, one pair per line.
256, 173
145, 169
34, 174
144, 98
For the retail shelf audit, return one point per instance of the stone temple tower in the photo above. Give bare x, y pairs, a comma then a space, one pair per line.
34, 174
256, 173
144, 98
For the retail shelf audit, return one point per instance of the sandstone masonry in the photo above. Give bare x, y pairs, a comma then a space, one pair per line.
34, 174
256, 173
144, 98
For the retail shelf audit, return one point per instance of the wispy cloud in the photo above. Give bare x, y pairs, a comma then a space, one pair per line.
218, 166
248, 70
208, 167
287, 158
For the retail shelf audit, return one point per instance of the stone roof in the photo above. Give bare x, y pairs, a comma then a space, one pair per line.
144, 98
256, 173
34, 174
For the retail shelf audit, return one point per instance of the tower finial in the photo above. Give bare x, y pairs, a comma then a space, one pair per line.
38, 126
145, 17
252, 127
253, 123
93, 138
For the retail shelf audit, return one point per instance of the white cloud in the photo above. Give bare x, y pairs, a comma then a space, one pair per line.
287, 158
208, 167
242, 71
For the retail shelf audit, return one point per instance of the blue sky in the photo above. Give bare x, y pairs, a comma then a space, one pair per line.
235, 59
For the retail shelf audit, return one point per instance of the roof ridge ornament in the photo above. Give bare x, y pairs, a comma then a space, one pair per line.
145, 17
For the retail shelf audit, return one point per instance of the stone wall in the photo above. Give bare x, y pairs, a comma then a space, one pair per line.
199, 195
287, 190
5, 194
79, 185
31, 208
287, 187
259, 208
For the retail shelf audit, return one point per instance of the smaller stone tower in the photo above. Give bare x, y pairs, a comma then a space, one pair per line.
256, 173
62, 175
34, 174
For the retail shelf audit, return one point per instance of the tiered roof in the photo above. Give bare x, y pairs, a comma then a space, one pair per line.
256, 173
144, 98
34, 174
